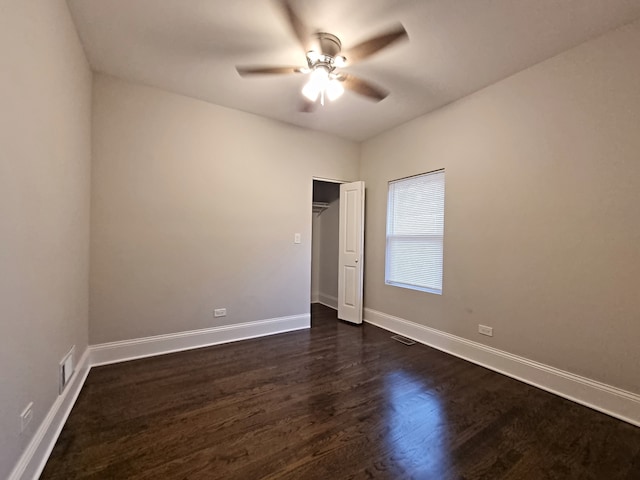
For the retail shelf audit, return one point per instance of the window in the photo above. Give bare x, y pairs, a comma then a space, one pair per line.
415, 232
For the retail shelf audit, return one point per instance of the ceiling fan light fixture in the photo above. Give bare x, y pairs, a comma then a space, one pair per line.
311, 91
320, 76
339, 61
317, 83
313, 56
334, 89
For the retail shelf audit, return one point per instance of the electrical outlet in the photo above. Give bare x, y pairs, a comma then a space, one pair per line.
220, 312
26, 416
484, 330
297, 238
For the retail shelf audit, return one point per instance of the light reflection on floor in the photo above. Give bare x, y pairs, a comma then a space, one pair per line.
417, 426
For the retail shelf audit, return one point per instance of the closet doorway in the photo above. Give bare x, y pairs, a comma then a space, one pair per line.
324, 242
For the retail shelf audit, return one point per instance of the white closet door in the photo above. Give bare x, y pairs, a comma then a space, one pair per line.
351, 246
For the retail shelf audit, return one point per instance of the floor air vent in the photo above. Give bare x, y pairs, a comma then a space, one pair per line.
403, 340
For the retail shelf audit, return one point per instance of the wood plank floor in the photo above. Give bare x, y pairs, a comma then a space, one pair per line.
334, 402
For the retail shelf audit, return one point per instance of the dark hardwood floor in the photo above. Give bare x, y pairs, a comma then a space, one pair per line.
334, 402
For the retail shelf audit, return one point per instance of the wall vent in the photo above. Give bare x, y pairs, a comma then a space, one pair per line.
67, 368
403, 340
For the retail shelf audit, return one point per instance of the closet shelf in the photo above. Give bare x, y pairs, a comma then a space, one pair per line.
319, 207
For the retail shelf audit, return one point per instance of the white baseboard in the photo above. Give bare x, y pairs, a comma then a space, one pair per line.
35, 457
613, 401
37, 453
122, 351
328, 300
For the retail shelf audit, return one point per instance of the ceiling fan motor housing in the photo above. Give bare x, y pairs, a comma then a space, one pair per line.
328, 44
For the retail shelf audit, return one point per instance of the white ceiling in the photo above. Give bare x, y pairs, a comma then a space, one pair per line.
455, 47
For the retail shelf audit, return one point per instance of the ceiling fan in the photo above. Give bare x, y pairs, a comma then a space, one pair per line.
325, 59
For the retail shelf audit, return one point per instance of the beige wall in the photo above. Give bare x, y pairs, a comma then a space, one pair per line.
542, 214
194, 207
45, 99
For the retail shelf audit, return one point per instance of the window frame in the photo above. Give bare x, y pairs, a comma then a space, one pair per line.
438, 238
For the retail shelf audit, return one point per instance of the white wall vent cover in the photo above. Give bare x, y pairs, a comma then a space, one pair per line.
66, 368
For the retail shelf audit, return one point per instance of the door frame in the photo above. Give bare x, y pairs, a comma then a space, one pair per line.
327, 180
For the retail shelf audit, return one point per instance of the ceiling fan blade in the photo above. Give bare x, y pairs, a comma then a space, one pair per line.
364, 88
375, 44
299, 28
244, 71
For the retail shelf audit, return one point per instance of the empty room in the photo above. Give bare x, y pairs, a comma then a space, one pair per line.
303, 239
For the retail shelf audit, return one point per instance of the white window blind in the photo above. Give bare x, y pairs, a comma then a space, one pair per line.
415, 232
